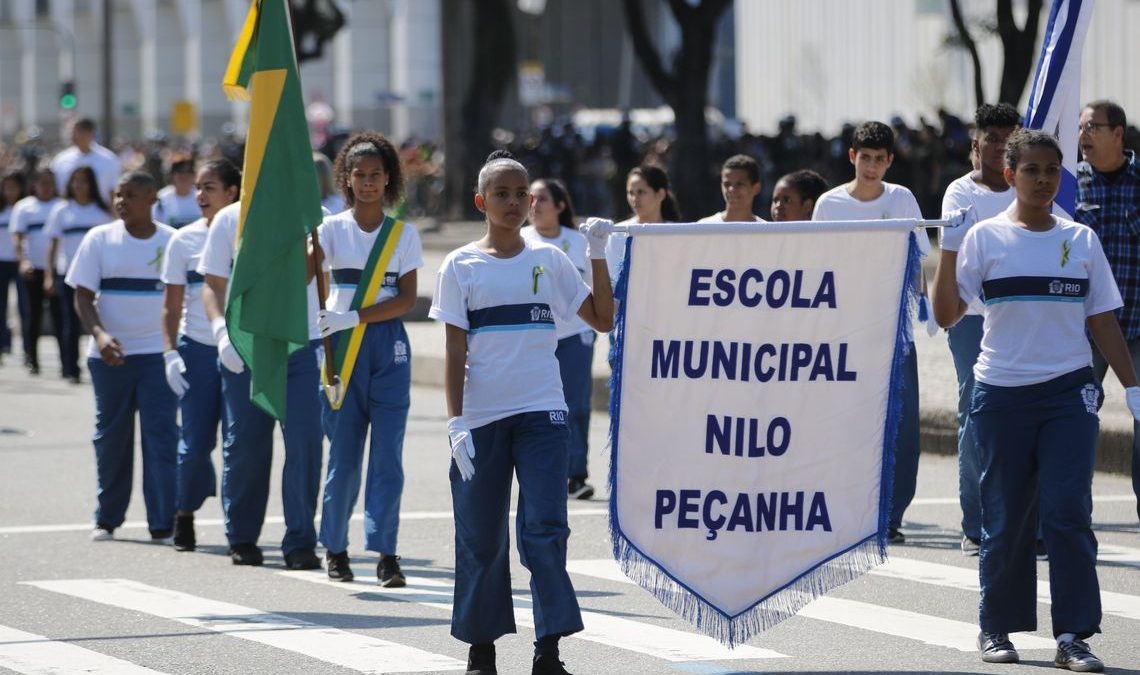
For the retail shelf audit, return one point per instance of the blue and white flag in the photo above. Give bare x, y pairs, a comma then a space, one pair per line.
754, 406
1055, 99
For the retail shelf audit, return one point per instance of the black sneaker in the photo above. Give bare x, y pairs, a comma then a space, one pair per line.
996, 648
184, 539
302, 559
971, 545
548, 664
246, 554
1040, 551
895, 537
388, 572
1075, 655
337, 565
164, 537
579, 489
481, 660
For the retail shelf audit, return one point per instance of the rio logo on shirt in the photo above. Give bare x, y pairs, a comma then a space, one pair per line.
540, 314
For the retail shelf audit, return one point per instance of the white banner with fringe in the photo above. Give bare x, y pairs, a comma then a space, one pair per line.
754, 405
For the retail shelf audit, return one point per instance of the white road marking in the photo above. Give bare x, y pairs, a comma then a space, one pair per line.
636, 636
331, 645
930, 630
33, 654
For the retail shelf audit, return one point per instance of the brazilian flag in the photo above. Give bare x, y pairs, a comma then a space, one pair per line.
267, 309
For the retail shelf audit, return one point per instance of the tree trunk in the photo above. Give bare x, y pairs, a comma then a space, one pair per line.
971, 47
1017, 48
685, 89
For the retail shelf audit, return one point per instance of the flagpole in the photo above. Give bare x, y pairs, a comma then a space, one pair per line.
331, 378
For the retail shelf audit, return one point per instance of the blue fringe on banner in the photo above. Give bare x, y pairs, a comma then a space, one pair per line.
845, 566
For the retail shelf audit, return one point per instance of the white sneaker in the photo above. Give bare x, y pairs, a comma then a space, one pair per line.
102, 534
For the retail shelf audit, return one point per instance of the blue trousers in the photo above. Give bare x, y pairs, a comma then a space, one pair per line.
1037, 445
908, 443
965, 340
378, 395
575, 362
9, 275
532, 446
201, 408
1101, 367
247, 455
68, 329
139, 385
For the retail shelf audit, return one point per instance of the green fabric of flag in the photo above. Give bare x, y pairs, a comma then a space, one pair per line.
267, 310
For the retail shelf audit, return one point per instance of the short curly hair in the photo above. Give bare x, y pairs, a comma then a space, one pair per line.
369, 144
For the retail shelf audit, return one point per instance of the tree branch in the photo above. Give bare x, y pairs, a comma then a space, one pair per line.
971, 48
664, 82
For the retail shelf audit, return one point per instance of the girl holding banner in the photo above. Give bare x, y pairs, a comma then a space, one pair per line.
1035, 401
498, 298
372, 259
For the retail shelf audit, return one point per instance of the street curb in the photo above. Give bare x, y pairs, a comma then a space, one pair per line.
939, 428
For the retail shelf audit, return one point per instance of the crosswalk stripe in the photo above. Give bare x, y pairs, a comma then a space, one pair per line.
930, 630
332, 645
33, 654
1118, 555
949, 576
269, 520
637, 636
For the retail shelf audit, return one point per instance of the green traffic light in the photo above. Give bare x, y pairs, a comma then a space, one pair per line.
68, 101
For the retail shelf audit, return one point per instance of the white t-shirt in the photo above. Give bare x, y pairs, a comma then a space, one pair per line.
180, 268
7, 252
1038, 287
962, 193
347, 249
508, 308
69, 222
573, 244
29, 216
102, 161
718, 217
218, 256
125, 274
176, 210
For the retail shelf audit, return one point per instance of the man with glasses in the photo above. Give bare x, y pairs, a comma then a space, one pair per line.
1108, 201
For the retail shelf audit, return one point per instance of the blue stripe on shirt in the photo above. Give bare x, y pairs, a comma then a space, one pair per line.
129, 286
34, 227
193, 277
528, 316
1064, 289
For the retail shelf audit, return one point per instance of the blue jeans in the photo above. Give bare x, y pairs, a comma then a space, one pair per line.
378, 395
908, 442
201, 408
532, 446
247, 455
68, 329
965, 340
575, 356
1037, 445
1100, 366
139, 385
9, 275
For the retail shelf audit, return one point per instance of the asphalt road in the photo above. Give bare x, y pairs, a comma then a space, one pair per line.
68, 605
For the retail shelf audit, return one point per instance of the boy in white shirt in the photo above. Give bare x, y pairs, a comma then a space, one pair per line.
986, 191
118, 296
739, 185
868, 197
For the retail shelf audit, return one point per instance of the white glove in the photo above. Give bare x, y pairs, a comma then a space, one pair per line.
175, 366
330, 322
958, 223
1132, 395
462, 447
226, 352
597, 232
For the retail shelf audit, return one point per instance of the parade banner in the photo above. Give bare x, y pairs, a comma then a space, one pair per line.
754, 405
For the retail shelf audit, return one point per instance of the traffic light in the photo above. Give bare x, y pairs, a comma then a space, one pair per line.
67, 99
